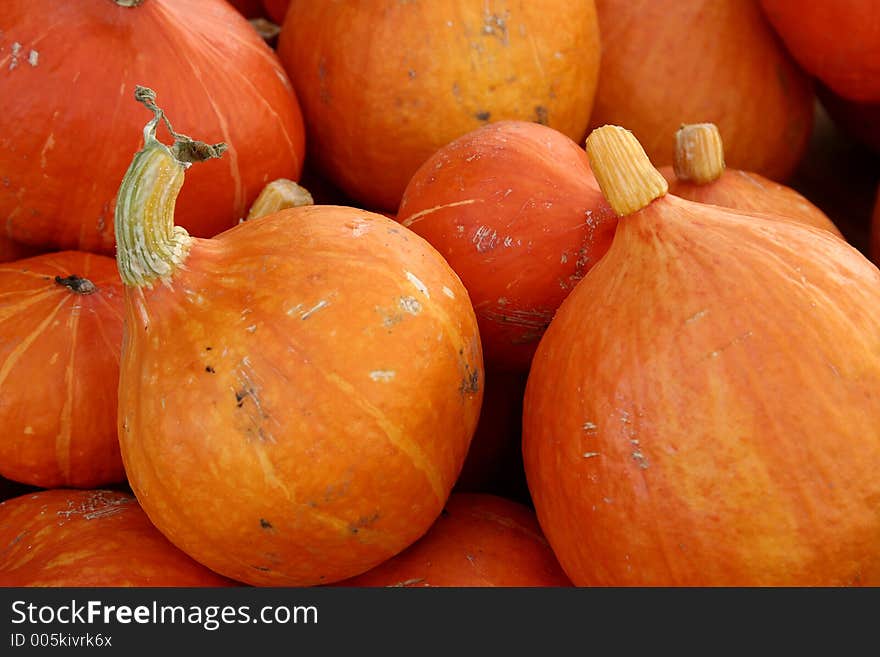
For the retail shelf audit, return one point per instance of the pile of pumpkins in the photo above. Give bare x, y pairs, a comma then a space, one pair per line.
534, 307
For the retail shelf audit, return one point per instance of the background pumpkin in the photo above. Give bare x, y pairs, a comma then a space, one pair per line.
665, 63
89, 538
276, 9
478, 540
699, 175
837, 42
517, 213
702, 409
335, 361
68, 126
384, 85
60, 339
10, 250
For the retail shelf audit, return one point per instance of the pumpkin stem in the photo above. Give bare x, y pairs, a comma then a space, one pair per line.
148, 244
279, 195
625, 175
77, 284
129, 3
699, 153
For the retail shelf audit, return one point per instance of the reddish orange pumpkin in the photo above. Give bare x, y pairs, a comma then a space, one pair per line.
699, 175
89, 538
703, 409
68, 126
668, 63
297, 396
837, 42
514, 208
478, 541
249, 8
384, 85
10, 250
60, 341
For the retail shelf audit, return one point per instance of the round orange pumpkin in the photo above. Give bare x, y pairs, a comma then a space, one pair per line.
516, 211
837, 42
276, 9
703, 408
68, 126
478, 541
668, 63
383, 85
297, 395
60, 341
89, 538
699, 175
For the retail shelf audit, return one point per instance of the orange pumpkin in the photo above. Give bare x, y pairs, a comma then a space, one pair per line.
837, 42
514, 208
89, 538
10, 250
248, 8
68, 127
699, 175
60, 340
384, 85
478, 541
276, 9
298, 394
703, 409
668, 63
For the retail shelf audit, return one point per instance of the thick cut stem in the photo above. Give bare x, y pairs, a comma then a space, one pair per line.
149, 246
699, 153
625, 174
279, 195
129, 3
77, 284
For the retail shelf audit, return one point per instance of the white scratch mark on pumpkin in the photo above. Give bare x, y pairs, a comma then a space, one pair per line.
251, 328
421, 287
54, 358
589, 426
418, 216
48, 146
410, 305
323, 303
449, 293
697, 316
33, 57
295, 309
589, 455
382, 375
16, 48
29, 430
485, 239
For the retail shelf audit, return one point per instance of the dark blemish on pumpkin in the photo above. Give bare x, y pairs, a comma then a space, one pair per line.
363, 522
264, 569
77, 284
393, 230
208, 348
312, 504
495, 25
265, 524
240, 397
6, 181
444, 513
471, 381
482, 116
541, 115
209, 369
411, 73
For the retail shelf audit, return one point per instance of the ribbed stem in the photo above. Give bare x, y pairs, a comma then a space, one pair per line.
699, 153
279, 195
149, 246
129, 3
625, 174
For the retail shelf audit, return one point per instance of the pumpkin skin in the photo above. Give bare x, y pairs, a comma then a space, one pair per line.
59, 368
689, 61
516, 211
703, 408
203, 55
478, 541
248, 8
90, 538
297, 395
379, 100
10, 250
837, 42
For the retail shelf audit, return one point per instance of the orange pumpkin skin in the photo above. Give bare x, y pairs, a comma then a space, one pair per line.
59, 368
384, 85
751, 193
703, 408
478, 541
837, 42
90, 538
10, 250
514, 208
297, 402
691, 61
203, 56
